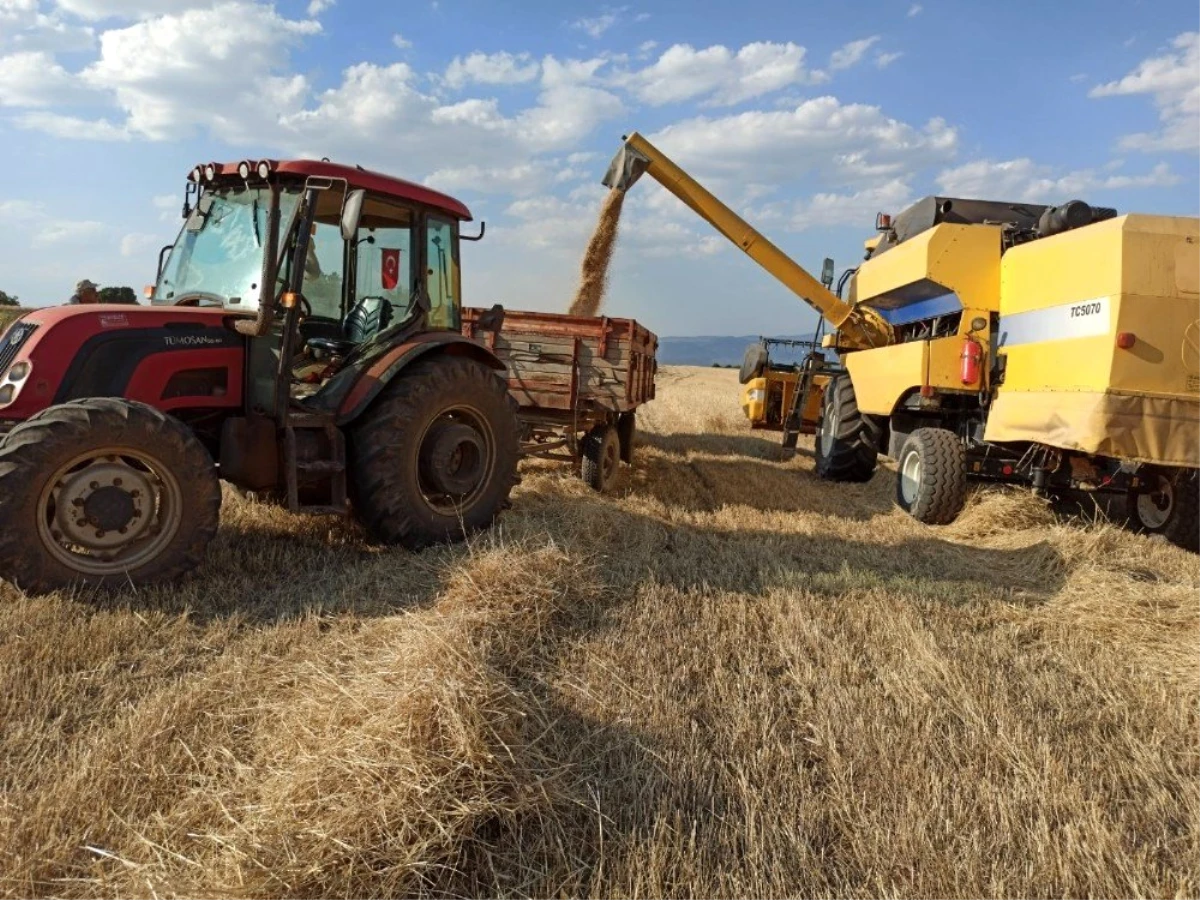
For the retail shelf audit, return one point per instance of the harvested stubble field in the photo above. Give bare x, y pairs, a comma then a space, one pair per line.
727, 679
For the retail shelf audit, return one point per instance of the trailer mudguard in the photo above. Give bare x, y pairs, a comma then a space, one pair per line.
351, 391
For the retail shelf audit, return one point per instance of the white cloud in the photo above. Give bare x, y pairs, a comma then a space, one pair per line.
401, 41
316, 7
858, 208
73, 127
915, 10
718, 74
1078, 77
35, 79
138, 244
1024, 180
1173, 81
852, 53
522, 178
24, 27
128, 9
491, 68
168, 82
883, 60
68, 231
597, 25
852, 144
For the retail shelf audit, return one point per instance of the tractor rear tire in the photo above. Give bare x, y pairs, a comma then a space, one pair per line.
1170, 507
931, 484
434, 459
601, 457
104, 492
846, 447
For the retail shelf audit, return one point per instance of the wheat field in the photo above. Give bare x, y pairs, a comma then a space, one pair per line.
726, 678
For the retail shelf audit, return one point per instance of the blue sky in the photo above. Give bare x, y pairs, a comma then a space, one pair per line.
806, 118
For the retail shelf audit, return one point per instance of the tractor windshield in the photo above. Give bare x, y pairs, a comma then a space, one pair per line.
217, 259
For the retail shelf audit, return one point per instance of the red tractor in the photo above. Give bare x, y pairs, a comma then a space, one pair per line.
302, 341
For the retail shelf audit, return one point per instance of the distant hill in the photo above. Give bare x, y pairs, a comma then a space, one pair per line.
711, 350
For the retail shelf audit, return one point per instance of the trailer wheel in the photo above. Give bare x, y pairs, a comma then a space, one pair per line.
104, 492
931, 485
1167, 506
435, 457
601, 456
845, 444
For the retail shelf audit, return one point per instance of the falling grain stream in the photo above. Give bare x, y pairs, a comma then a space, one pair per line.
589, 297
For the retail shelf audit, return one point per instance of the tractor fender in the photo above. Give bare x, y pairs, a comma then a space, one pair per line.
381, 370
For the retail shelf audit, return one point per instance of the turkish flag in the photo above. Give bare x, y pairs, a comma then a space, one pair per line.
389, 274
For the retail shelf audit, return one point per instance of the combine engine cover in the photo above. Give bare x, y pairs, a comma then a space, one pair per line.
172, 358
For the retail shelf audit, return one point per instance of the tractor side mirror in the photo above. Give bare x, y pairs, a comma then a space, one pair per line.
827, 273
351, 213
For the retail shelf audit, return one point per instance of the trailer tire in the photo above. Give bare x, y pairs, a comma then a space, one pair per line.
435, 456
845, 445
601, 457
1170, 507
931, 481
147, 492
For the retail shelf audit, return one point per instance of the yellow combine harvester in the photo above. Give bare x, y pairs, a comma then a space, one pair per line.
1052, 346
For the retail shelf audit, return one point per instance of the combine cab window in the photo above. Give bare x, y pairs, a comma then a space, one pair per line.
442, 274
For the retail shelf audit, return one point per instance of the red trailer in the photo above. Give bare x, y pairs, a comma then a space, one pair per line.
578, 381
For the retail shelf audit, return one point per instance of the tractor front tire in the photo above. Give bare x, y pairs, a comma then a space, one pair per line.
846, 448
1169, 507
931, 485
435, 456
104, 492
601, 457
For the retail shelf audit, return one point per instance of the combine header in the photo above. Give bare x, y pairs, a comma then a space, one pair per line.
1054, 346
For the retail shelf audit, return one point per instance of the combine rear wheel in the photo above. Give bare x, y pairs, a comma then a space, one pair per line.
845, 445
435, 457
601, 456
104, 492
1167, 506
931, 485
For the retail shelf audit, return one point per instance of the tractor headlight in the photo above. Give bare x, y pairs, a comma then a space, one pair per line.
210, 172
264, 169
7, 392
19, 371
244, 170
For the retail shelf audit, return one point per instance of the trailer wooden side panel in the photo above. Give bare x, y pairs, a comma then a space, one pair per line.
581, 364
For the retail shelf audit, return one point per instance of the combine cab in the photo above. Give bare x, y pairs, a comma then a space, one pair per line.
303, 340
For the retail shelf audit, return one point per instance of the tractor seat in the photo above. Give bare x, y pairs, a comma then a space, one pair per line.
366, 318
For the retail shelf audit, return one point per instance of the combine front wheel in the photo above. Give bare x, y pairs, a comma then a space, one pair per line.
104, 492
845, 448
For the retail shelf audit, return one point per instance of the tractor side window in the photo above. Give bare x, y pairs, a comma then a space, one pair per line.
442, 273
323, 271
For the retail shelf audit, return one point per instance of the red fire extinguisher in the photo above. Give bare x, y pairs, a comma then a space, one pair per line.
971, 360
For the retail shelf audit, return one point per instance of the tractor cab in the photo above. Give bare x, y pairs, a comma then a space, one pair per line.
362, 256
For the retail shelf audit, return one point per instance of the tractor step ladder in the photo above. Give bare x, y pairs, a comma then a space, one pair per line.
332, 469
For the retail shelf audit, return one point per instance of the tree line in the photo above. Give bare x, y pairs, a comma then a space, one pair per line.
107, 295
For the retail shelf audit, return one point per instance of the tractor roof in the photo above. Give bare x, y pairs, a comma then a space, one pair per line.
372, 182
